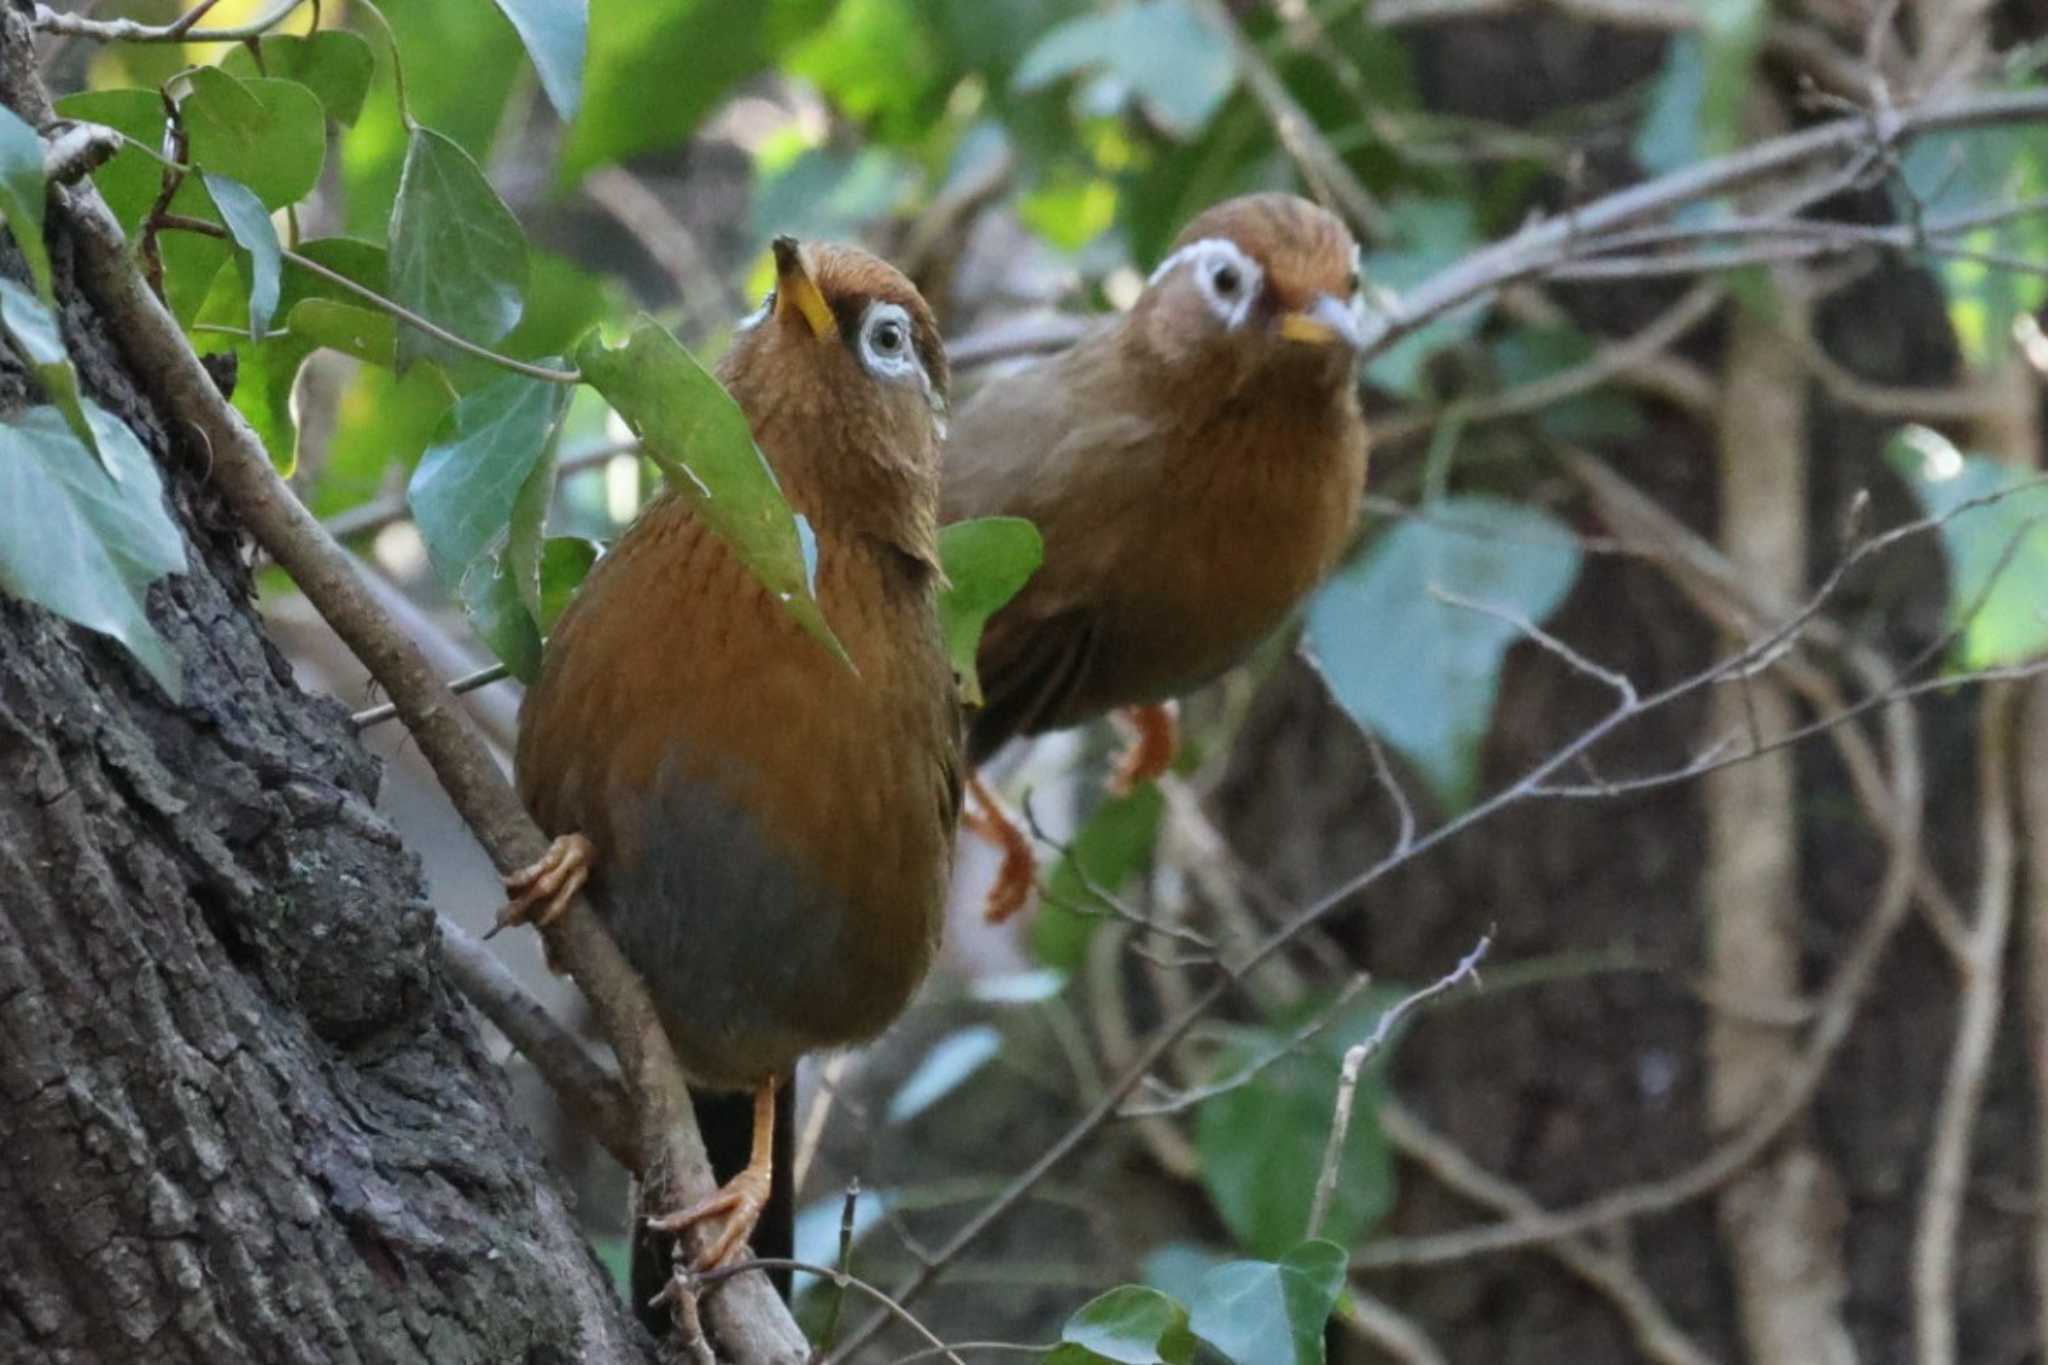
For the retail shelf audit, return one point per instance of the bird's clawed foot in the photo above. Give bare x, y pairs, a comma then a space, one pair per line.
1154, 732
739, 1202
1017, 876
542, 891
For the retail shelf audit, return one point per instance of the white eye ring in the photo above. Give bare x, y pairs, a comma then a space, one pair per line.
888, 344
1228, 279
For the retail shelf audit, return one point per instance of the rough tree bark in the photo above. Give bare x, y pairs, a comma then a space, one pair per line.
243, 1116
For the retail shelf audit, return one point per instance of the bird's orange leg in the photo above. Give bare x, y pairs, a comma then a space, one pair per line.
1018, 874
541, 892
740, 1200
1155, 736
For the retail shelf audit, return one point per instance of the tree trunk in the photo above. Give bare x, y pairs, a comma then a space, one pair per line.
244, 1117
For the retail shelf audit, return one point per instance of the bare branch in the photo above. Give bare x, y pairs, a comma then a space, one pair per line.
180, 30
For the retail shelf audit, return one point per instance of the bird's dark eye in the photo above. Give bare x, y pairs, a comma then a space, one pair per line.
889, 338
1226, 279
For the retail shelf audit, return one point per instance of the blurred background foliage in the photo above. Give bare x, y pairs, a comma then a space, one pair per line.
1023, 160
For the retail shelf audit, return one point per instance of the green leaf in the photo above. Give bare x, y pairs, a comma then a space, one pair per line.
268, 368
334, 64
458, 257
1953, 173
1436, 232
490, 602
22, 196
656, 70
1432, 698
986, 563
1997, 551
249, 221
1177, 66
1111, 848
370, 337
270, 135
692, 429
473, 499
34, 329
80, 543
1268, 1312
564, 563
1132, 1325
1262, 1141
130, 180
1696, 110
555, 33
463, 493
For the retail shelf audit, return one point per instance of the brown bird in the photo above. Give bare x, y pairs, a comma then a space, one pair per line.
1194, 466
766, 831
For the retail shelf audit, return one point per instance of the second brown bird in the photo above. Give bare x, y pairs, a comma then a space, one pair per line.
1195, 468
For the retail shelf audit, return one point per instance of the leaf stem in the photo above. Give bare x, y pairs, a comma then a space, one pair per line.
181, 223
397, 66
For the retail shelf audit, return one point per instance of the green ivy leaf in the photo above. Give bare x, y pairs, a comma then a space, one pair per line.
1110, 849
473, 499
82, 544
1997, 551
1433, 697
1176, 65
986, 562
1434, 233
249, 221
22, 196
458, 257
34, 329
1262, 1142
1696, 107
690, 427
1271, 1312
1132, 1325
368, 336
269, 135
268, 368
129, 181
334, 64
564, 563
556, 33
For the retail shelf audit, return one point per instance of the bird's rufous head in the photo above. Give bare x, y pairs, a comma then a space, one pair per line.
842, 375
1269, 277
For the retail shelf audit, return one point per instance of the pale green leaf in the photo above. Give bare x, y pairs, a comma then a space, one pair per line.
1132, 1325
555, 32
1270, 1312
250, 223
458, 257
80, 543
1995, 534
269, 135
334, 64
987, 562
1178, 66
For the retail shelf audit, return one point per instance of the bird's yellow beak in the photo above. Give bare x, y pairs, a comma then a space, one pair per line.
1323, 323
794, 288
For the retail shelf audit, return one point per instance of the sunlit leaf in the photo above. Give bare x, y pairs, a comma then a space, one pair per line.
1997, 550
249, 221
986, 562
1270, 1312
130, 180
83, 544
692, 429
269, 135
1432, 698
1178, 66
334, 64
555, 32
458, 257
1132, 1325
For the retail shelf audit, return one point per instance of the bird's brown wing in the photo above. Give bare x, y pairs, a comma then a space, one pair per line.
1030, 670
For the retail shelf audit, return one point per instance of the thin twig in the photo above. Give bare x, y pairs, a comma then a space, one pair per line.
705, 1279
1982, 995
469, 682
180, 31
1333, 1149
